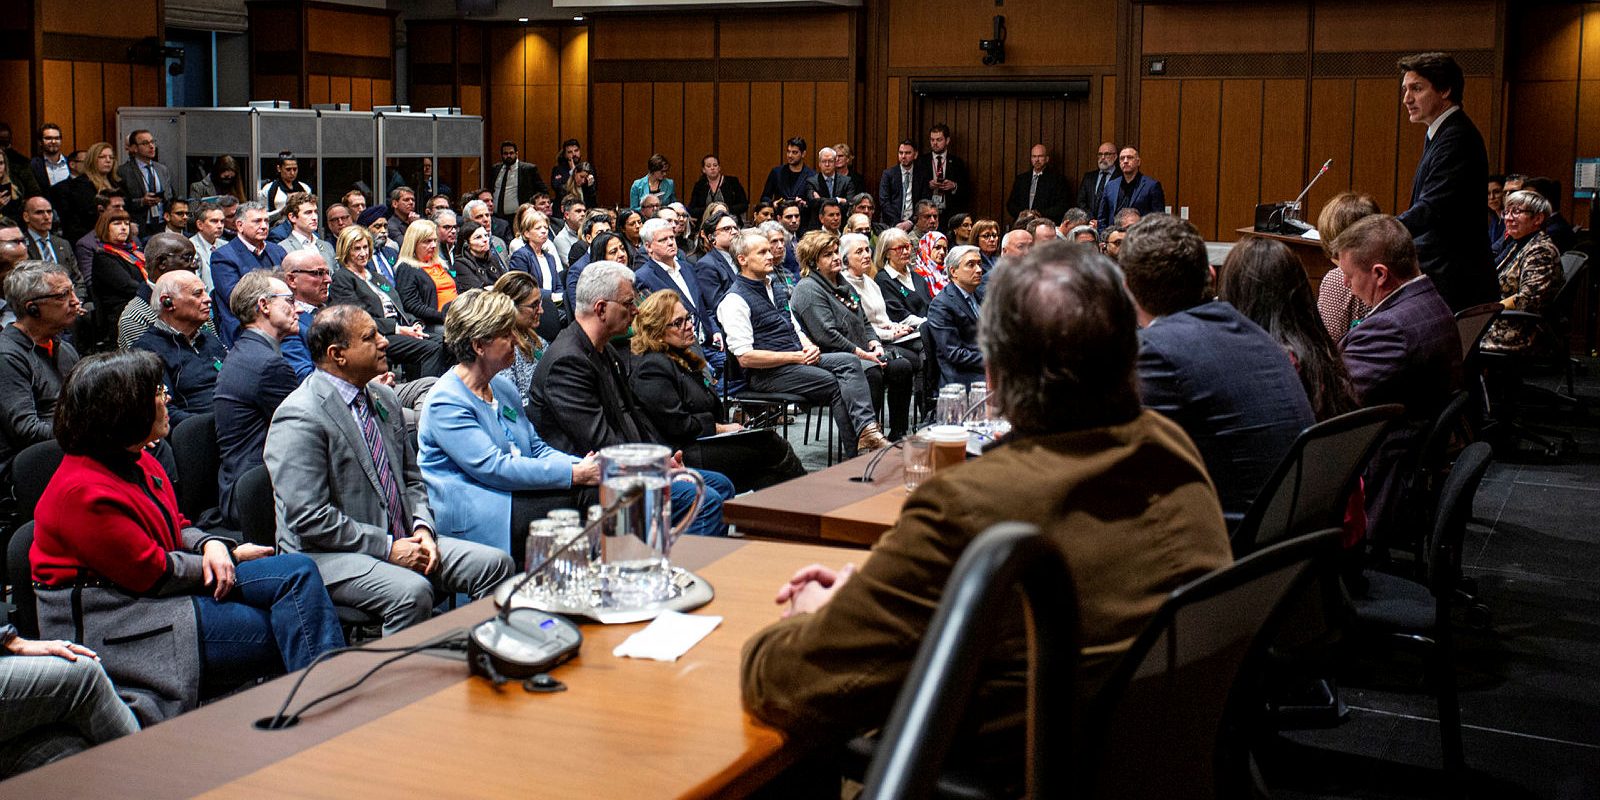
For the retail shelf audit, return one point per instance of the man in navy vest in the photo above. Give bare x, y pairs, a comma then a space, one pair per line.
761, 333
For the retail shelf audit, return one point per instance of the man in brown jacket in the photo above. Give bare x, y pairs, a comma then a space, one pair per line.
1123, 488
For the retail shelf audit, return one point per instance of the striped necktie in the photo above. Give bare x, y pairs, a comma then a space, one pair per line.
380, 459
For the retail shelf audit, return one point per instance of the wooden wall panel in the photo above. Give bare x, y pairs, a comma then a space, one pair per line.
57, 97
116, 92
895, 129
754, 36
1283, 140
637, 140
1216, 28
766, 133
15, 94
88, 115
1239, 156
733, 133
317, 89
1548, 44
341, 90
690, 36
541, 127
993, 134
1344, 26
99, 17
1108, 118
666, 125
1200, 108
1544, 148
1376, 119
943, 33
1158, 133
349, 32
605, 147
699, 132
1332, 102
800, 115
361, 94
833, 113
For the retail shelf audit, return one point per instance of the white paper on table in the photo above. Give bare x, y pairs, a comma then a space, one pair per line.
668, 637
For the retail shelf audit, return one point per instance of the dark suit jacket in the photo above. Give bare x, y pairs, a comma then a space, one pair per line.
66, 256
572, 383
890, 191
652, 278
420, 293
41, 174
1147, 199
537, 264
954, 330
1088, 198
899, 303
715, 276
816, 192
133, 187
955, 170
529, 183
228, 264
1444, 218
348, 289
73, 199
254, 381
1050, 200
1407, 351
733, 195
1232, 388
679, 404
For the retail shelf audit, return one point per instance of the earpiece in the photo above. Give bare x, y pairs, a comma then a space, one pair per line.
32, 310
166, 302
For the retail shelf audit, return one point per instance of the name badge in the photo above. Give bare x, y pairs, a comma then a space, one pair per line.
509, 413
383, 413
217, 364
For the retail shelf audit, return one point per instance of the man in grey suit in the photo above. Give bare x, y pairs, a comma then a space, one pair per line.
348, 490
146, 182
300, 210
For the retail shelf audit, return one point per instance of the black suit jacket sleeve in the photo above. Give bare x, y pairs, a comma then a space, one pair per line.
529, 183
947, 324
663, 394
572, 392
418, 294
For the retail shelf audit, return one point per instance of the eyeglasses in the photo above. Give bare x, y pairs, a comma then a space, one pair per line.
1517, 212
684, 321
61, 295
315, 273
632, 302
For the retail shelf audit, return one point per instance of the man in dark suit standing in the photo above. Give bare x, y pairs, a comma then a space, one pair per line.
1206, 366
1446, 218
1044, 192
254, 379
1135, 190
513, 182
1094, 181
948, 184
1407, 350
903, 186
45, 245
147, 183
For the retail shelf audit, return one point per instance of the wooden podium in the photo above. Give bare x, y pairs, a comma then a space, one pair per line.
1309, 251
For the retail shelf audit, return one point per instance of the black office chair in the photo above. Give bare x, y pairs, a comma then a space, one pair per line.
1311, 486
31, 473
1425, 470
1552, 353
1400, 611
770, 409
19, 573
908, 762
194, 447
1172, 722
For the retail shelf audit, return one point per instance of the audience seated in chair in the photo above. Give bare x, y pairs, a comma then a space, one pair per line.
349, 493
581, 398
953, 319
488, 472
1123, 490
34, 359
57, 702
1530, 273
777, 357
190, 357
249, 251
358, 283
1406, 351
176, 612
1207, 367
254, 380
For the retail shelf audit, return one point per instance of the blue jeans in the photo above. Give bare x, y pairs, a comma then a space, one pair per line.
278, 617
708, 520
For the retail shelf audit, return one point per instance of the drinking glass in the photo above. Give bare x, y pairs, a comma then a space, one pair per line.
918, 450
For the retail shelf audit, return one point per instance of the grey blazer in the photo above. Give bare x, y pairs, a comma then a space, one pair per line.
292, 243
325, 487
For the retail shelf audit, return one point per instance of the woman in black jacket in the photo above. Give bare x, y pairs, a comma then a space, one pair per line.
674, 389
119, 269
829, 311
477, 265
715, 187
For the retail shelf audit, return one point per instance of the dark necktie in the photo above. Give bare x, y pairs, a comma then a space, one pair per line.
380, 460
1099, 187
1033, 189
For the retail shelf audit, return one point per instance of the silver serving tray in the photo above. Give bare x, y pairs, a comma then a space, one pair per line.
693, 592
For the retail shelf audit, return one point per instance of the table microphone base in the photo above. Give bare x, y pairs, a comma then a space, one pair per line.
521, 644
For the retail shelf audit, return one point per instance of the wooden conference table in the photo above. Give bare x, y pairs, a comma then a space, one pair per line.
826, 507
422, 728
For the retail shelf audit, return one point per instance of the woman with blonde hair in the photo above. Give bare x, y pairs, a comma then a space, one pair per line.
488, 472
533, 227
11, 194
77, 194
426, 285
1338, 308
357, 283
673, 385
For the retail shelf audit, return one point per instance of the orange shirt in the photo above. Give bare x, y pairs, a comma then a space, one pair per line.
443, 281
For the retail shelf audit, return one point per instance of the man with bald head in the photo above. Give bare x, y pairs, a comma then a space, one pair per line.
1016, 244
1040, 189
38, 219
166, 252
308, 277
190, 357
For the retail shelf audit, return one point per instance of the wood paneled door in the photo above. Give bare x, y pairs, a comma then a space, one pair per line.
993, 132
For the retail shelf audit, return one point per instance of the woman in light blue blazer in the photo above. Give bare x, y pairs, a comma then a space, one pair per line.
487, 470
656, 182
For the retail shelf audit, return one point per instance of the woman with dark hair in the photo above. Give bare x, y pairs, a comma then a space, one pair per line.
628, 224
829, 310
716, 187
674, 388
119, 268
1266, 282
488, 472
986, 237
477, 265
960, 227
655, 181
530, 303
222, 180
177, 613
605, 246
762, 211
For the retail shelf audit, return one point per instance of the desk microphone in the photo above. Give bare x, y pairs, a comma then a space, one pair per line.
1288, 220
872, 465
520, 643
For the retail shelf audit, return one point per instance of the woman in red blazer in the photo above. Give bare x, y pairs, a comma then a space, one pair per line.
175, 612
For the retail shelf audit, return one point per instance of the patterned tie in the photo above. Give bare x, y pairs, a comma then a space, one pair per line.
46, 250
380, 459
152, 186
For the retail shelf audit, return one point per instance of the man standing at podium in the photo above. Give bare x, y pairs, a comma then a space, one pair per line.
1446, 218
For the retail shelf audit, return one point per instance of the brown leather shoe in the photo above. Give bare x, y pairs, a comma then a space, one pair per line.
871, 438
